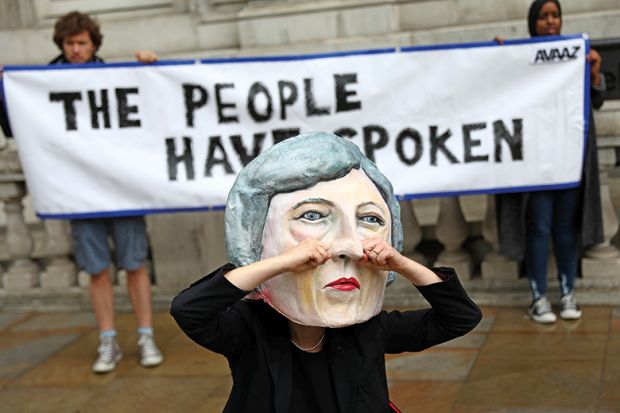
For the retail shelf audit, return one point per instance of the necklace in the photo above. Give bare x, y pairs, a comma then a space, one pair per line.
312, 348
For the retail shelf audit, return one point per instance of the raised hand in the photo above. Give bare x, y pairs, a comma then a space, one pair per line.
381, 254
595, 67
309, 253
146, 56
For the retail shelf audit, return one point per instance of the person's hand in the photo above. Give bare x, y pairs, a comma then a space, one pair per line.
308, 254
382, 255
499, 40
595, 67
146, 56
379, 253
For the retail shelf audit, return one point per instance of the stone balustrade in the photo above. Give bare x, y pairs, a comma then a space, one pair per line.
37, 268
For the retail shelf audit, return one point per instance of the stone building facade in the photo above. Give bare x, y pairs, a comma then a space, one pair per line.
36, 266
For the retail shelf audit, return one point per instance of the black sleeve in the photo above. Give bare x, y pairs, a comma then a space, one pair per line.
452, 314
4, 120
598, 94
205, 312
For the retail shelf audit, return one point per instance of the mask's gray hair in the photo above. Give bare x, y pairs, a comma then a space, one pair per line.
296, 163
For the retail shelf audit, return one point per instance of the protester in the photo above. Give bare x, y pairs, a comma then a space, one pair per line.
526, 220
79, 37
314, 227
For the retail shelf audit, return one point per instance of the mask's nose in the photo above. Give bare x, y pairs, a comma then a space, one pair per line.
347, 242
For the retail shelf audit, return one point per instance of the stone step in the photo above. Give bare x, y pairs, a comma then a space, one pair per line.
261, 27
264, 23
164, 34
323, 29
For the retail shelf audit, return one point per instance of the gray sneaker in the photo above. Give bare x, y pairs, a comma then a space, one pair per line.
150, 355
569, 310
540, 311
109, 354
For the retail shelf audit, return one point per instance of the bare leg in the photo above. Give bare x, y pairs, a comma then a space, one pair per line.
102, 299
139, 286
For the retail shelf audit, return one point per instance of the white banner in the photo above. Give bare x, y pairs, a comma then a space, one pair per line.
126, 139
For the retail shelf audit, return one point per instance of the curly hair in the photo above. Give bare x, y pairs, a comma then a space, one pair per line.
75, 23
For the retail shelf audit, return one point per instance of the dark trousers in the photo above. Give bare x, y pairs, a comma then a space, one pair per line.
552, 213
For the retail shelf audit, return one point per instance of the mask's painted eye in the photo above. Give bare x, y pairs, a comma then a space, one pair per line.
312, 215
372, 219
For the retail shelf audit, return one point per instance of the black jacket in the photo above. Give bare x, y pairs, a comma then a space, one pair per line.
4, 120
256, 341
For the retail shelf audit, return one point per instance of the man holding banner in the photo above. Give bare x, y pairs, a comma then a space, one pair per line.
79, 38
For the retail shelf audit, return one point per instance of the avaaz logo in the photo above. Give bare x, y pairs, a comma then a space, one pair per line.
555, 55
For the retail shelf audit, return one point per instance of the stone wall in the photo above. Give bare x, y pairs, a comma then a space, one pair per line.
201, 28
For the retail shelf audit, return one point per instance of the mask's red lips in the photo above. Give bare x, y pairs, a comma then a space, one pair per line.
344, 284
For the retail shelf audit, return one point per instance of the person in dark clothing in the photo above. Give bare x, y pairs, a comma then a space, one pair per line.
570, 216
312, 230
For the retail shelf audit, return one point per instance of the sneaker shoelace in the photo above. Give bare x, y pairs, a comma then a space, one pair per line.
569, 302
106, 349
147, 344
543, 306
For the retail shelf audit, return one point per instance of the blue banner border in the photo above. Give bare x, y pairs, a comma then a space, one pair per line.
312, 56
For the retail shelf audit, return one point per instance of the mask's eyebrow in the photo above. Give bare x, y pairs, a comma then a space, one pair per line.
313, 201
372, 204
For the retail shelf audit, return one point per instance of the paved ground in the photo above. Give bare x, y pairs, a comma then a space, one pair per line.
507, 365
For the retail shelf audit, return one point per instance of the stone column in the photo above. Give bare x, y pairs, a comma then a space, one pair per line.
22, 272
60, 271
495, 265
603, 260
186, 246
411, 231
452, 231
